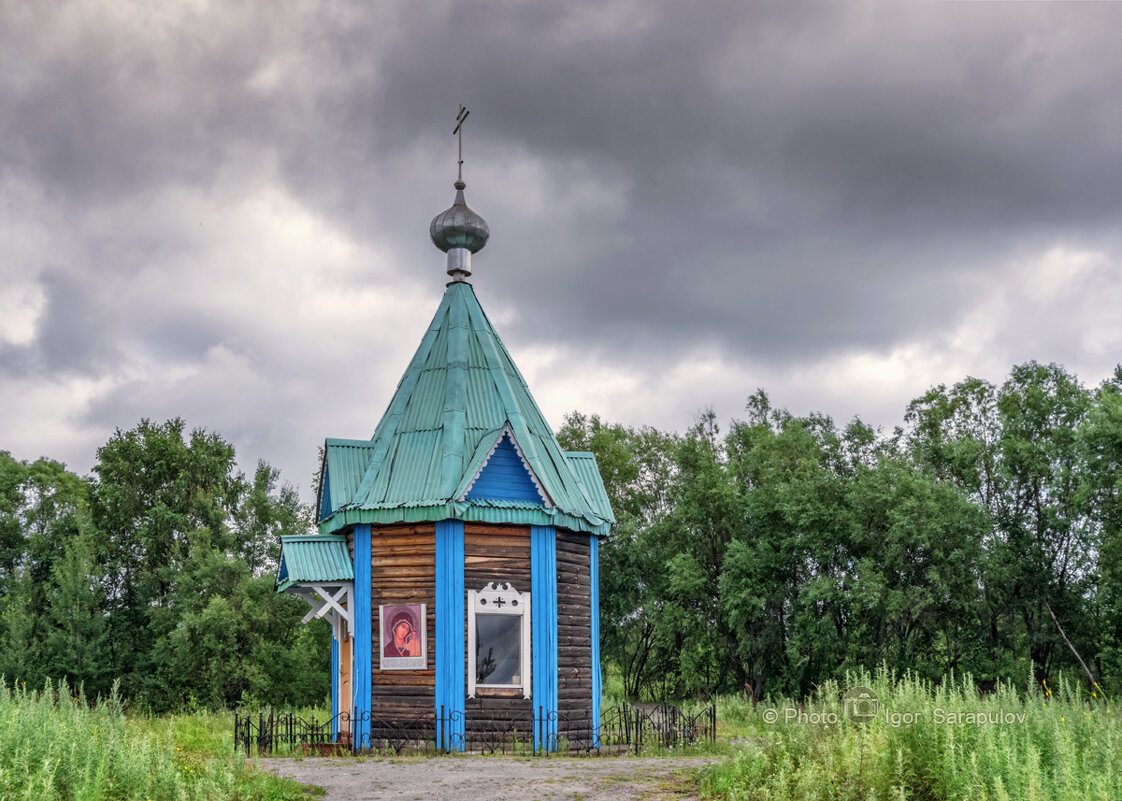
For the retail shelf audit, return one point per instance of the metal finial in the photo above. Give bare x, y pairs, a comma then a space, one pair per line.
459, 131
459, 231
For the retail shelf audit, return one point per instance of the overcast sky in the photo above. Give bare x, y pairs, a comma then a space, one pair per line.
220, 211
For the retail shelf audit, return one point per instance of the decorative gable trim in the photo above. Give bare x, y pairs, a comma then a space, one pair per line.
323, 498
507, 432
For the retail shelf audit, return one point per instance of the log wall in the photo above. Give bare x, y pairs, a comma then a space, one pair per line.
403, 571
499, 554
574, 626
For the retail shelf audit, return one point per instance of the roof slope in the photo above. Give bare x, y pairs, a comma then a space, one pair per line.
458, 396
344, 463
588, 474
314, 558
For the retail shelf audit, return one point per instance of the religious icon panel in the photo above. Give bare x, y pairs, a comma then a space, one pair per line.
404, 645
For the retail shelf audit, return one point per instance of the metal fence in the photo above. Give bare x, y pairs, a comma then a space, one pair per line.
622, 728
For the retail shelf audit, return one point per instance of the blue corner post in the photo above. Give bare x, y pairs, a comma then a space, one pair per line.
363, 662
451, 662
597, 679
543, 628
334, 688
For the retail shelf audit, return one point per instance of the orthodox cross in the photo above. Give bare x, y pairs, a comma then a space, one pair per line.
459, 131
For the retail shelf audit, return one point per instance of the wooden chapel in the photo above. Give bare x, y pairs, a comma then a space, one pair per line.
457, 552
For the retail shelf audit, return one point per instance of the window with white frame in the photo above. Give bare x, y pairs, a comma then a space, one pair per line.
498, 639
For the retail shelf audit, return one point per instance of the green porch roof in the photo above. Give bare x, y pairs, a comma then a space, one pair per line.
310, 558
459, 394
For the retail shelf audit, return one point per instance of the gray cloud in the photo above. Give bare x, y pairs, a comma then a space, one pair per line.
774, 185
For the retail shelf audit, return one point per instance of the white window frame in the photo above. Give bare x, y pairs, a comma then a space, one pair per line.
499, 599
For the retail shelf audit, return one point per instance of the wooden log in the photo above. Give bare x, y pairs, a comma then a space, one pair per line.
425, 540
494, 528
581, 604
403, 560
391, 571
402, 678
403, 529
486, 548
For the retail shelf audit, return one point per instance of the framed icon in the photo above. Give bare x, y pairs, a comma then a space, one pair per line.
402, 636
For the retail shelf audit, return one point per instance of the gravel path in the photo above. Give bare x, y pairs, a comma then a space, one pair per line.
476, 778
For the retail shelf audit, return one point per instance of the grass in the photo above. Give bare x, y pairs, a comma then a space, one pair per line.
928, 742
57, 746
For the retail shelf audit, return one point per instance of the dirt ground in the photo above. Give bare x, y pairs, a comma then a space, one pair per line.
494, 778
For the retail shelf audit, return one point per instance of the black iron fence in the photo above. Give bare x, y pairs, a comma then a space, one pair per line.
623, 728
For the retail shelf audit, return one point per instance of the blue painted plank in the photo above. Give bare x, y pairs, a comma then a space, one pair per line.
597, 679
362, 659
504, 477
451, 657
325, 495
334, 688
543, 633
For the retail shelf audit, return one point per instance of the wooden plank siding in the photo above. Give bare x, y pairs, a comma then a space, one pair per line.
499, 554
574, 626
403, 571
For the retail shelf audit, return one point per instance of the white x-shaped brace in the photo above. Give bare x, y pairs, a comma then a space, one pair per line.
331, 602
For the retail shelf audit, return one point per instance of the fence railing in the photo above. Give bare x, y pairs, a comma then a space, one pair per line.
620, 728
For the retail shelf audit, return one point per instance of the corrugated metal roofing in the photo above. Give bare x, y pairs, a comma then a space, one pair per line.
345, 460
314, 558
584, 465
460, 391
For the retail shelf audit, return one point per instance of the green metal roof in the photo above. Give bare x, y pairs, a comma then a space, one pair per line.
309, 558
460, 391
345, 462
588, 474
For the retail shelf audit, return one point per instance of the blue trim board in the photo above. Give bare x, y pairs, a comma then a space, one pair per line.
451, 656
543, 628
504, 477
325, 509
362, 659
334, 688
597, 679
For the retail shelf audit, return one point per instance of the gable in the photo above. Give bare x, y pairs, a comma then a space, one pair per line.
344, 464
325, 509
504, 476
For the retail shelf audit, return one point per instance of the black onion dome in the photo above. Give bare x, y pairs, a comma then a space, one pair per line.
459, 226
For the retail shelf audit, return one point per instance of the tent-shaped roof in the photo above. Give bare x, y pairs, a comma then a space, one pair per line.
459, 395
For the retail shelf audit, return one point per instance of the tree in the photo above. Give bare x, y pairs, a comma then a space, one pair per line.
77, 641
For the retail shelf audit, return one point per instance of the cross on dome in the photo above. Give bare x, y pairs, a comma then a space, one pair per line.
459, 231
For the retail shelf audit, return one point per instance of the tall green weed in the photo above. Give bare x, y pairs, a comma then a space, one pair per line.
928, 741
55, 745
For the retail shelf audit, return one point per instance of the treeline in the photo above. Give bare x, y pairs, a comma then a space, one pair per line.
790, 550
158, 570
778, 554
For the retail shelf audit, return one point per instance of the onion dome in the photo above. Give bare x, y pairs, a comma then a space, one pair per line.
459, 226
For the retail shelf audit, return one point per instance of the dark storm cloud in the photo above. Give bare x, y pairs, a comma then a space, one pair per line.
773, 182
852, 164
